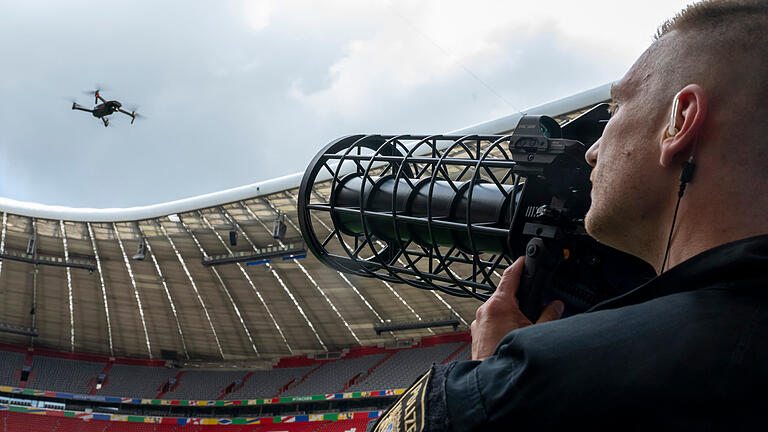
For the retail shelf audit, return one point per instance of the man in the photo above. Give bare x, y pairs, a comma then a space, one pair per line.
690, 347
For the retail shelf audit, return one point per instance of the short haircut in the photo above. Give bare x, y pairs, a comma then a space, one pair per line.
742, 19
722, 40
723, 45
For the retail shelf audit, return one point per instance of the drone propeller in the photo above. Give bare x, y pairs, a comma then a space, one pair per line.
96, 93
76, 106
136, 115
132, 113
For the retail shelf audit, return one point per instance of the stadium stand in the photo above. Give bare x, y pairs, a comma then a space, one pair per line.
136, 381
465, 353
404, 367
363, 369
332, 376
202, 384
10, 367
267, 383
63, 375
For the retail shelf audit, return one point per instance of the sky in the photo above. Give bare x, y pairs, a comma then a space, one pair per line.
241, 91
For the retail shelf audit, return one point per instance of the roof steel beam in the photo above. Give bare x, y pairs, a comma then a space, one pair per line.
296, 303
275, 275
103, 287
359, 294
34, 284
221, 282
255, 290
415, 325
135, 288
435, 293
298, 264
440, 298
342, 275
447, 305
69, 287
386, 284
167, 290
237, 311
49, 260
264, 303
2, 239
192, 282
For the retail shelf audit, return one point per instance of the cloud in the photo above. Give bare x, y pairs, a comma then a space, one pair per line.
435, 46
257, 13
237, 92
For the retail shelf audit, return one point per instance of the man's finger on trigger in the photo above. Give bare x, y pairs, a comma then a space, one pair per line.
552, 312
510, 279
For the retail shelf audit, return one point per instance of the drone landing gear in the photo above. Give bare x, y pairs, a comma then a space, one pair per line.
106, 121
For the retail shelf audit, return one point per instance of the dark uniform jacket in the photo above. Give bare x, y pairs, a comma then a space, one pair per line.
688, 349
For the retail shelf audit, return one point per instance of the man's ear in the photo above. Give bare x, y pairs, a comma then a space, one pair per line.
690, 113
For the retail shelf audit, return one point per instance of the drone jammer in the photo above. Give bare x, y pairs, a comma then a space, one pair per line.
451, 212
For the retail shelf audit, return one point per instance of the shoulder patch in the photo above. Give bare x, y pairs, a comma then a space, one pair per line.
407, 414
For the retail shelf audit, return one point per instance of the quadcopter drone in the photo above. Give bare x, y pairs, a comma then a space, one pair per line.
105, 108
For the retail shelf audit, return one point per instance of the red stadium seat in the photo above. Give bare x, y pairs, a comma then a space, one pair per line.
293, 427
356, 425
20, 422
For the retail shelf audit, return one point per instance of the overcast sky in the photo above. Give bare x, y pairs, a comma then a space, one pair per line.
235, 92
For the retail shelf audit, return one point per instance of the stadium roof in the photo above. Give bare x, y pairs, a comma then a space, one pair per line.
170, 304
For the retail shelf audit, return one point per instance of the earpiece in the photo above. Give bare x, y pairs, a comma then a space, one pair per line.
686, 174
672, 130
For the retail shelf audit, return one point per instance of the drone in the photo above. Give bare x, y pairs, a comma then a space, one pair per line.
105, 108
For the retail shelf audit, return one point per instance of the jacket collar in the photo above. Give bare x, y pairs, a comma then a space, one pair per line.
729, 263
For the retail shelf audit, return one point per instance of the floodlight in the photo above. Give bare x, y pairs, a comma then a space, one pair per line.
140, 250
279, 228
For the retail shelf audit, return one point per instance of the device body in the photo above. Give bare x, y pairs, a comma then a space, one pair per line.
452, 212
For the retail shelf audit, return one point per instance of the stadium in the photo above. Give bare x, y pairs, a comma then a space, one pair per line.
209, 314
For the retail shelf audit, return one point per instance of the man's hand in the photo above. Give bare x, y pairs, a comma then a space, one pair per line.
501, 313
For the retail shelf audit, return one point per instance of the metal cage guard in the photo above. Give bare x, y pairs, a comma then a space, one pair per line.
450, 212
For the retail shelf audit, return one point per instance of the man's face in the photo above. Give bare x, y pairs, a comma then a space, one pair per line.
627, 187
